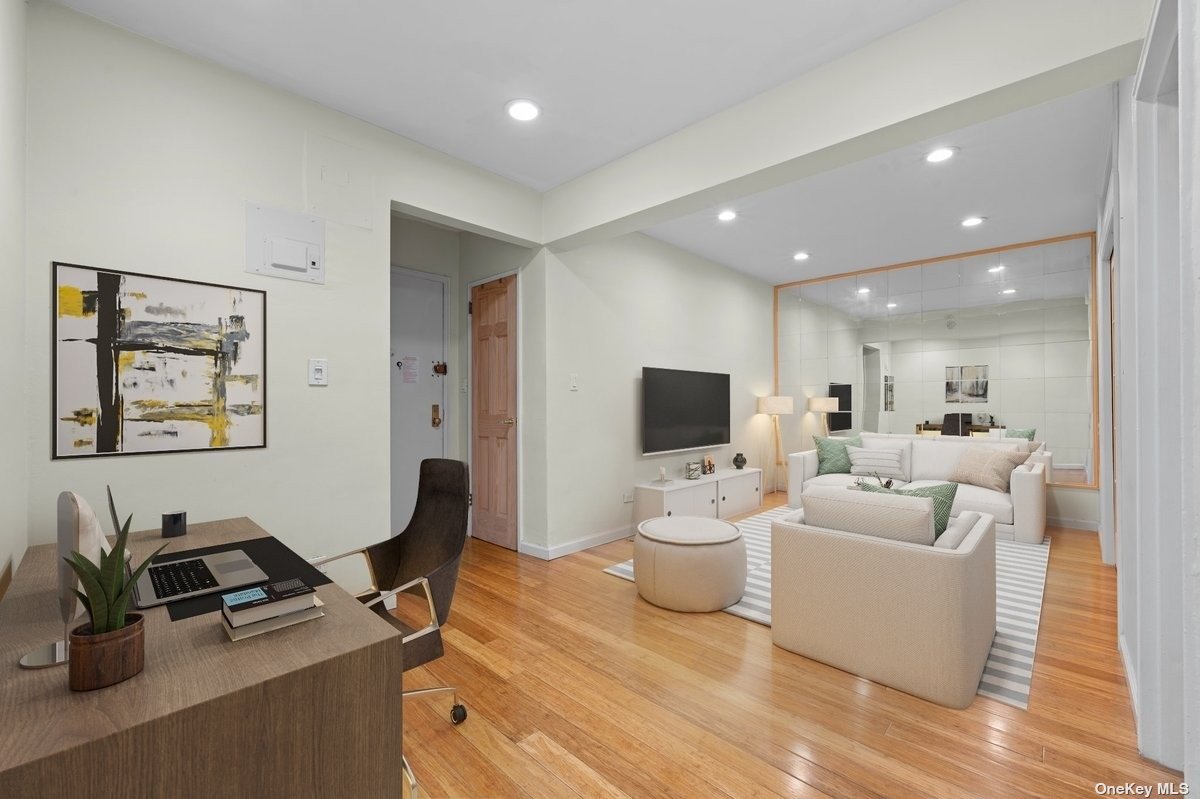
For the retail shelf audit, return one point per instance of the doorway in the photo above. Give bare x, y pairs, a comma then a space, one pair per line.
872, 388
494, 377
418, 390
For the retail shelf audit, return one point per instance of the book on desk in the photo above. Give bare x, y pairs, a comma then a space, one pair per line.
252, 611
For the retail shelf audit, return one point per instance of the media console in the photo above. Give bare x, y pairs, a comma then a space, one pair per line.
725, 493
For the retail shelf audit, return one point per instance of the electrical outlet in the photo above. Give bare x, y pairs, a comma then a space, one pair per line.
627, 497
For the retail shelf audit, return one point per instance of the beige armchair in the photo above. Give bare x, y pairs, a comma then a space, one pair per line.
916, 617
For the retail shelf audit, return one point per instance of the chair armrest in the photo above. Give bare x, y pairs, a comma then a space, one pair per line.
331, 558
802, 466
1027, 485
424, 583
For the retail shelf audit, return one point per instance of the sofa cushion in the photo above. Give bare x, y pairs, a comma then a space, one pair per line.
1013, 432
957, 530
987, 467
891, 516
942, 495
841, 480
832, 457
877, 461
935, 458
980, 500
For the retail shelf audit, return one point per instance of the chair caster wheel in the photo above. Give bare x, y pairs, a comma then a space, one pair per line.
458, 714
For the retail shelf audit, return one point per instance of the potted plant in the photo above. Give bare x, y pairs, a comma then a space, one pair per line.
111, 647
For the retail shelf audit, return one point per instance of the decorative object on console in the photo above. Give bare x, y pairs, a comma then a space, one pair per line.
111, 648
832, 456
708, 465
739, 461
691, 470
941, 494
823, 406
154, 364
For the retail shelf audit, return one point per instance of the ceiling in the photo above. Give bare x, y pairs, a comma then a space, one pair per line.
1043, 276
611, 76
1035, 173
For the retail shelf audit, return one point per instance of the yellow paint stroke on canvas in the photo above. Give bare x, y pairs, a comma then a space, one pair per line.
125, 360
70, 302
137, 295
80, 443
212, 414
82, 416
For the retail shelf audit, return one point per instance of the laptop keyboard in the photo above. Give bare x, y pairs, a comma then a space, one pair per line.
181, 577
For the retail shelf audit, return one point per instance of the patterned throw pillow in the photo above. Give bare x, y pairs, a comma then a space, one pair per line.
832, 457
1013, 432
942, 495
987, 467
871, 462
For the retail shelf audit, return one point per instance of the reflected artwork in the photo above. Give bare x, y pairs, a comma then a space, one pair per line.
966, 384
151, 364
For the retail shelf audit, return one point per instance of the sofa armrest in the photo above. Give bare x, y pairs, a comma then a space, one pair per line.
907, 615
802, 466
1027, 485
1046, 458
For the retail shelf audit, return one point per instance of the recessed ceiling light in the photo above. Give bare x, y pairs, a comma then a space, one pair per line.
940, 154
997, 268
1009, 291
864, 290
523, 110
728, 215
800, 256
973, 221
891, 305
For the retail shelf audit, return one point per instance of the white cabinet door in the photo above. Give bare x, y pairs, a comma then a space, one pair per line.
740, 494
700, 500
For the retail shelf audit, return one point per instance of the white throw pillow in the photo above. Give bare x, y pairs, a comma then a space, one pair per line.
957, 530
892, 441
887, 463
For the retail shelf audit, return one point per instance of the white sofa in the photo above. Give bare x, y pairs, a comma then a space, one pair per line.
1020, 514
916, 617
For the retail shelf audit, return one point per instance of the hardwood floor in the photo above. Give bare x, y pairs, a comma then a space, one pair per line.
576, 687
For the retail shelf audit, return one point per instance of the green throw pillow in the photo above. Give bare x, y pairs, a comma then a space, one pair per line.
832, 457
1025, 434
942, 495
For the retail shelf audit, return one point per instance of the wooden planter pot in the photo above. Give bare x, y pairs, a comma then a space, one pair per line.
97, 661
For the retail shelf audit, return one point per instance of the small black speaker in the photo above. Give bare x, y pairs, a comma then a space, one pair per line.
174, 524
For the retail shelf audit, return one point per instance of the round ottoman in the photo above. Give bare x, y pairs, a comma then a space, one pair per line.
689, 563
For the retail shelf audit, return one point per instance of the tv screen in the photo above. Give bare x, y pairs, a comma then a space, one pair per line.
683, 410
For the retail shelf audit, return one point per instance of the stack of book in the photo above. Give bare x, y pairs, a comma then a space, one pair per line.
258, 610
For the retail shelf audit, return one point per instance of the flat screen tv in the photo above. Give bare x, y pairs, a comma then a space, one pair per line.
843, 419
683, 410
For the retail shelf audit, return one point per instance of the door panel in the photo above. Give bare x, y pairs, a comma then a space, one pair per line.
494, 411
417, 341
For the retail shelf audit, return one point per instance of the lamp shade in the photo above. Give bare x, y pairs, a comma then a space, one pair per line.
775, 405
823, 404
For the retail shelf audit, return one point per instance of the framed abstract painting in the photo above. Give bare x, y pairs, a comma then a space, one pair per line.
148, 364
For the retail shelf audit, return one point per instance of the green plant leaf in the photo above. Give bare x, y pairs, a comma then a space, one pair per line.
89, 577
122, 600
83, 600
112, 565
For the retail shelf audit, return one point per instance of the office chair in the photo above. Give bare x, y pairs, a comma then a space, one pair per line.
422, 560
956, 424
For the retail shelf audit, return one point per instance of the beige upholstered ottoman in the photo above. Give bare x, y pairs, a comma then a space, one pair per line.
689, 563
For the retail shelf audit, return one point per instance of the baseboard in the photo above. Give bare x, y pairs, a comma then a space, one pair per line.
1074, 524
1130, 677
578, 545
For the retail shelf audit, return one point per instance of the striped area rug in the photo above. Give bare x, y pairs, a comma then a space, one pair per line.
1020, 580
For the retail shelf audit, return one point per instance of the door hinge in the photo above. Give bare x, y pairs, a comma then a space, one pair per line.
470, 307
470, 499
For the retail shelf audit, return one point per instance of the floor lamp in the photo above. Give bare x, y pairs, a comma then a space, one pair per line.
775, 406
823, 406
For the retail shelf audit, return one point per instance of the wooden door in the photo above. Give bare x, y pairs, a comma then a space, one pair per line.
494, 411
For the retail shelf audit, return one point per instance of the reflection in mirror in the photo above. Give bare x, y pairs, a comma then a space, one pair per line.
999, 343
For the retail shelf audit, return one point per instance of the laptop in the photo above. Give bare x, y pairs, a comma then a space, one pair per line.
188, 577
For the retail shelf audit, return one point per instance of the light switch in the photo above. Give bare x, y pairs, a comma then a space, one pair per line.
318, 371
574, 382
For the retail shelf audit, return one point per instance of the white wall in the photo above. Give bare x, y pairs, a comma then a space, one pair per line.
13, 422
613, 308
141, 158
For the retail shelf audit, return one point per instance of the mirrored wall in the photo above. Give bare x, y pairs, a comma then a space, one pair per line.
999, 341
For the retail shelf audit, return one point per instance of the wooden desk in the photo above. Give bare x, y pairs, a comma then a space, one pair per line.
310, 710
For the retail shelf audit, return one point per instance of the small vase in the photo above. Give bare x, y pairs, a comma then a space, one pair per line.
739, 461
97, 661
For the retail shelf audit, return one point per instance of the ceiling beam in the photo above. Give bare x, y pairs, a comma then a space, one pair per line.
975, 61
